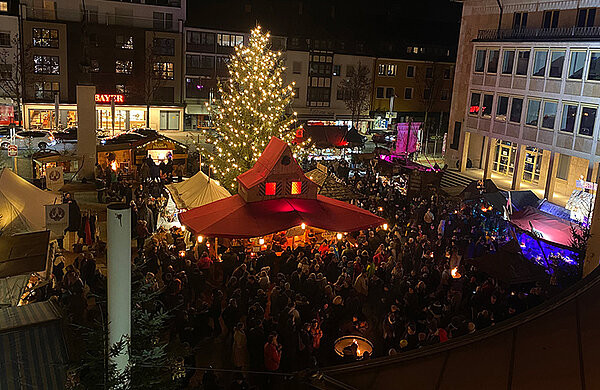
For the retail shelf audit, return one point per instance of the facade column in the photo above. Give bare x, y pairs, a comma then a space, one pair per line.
518, 170
550, 173
489, 159
464, 151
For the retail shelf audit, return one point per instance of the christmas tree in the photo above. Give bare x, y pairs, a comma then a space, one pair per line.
254, 106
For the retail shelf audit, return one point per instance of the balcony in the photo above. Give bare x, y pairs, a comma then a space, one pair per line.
541, 34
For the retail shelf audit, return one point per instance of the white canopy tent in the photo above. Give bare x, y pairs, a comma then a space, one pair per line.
22, 204
196, 191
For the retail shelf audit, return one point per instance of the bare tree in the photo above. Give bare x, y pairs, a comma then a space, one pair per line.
429, 82
356, 89
16, 62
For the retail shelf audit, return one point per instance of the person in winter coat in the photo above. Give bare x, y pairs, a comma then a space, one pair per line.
142, 234
240, 347
272, 351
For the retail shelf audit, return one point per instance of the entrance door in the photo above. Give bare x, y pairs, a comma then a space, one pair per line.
504, 161
531, 167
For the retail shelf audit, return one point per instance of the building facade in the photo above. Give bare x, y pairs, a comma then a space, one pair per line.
131, 51
527, 93
10, 88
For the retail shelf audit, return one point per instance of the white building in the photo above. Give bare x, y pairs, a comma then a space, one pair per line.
526, 95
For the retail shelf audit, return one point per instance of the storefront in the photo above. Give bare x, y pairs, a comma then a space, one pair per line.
126, 117
197, 117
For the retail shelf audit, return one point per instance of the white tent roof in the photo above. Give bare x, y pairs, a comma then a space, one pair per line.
197, 191
22, 204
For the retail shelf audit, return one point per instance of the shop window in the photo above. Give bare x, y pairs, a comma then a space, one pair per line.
123, 66
296, 188
169, 120
516, 109
577, 64
163, 70
557, 59
564, 162
46, 65
45, 37
508, 62
270, 188
588, 119
124, 42
569, 113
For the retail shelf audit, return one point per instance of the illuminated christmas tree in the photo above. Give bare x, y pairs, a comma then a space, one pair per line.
254, 106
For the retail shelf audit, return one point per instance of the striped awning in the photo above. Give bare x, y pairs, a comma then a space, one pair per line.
33, 354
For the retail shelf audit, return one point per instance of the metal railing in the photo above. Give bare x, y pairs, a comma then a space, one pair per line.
533, 34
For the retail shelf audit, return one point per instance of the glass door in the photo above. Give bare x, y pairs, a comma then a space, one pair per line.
532, 165
504, 162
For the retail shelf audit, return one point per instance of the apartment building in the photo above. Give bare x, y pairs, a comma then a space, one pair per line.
10, 90
526, 95
131, 52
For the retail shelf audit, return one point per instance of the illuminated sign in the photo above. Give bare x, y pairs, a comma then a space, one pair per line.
106, 98
474, 109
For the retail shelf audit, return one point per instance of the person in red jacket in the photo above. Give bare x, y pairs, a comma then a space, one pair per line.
204, 262
272, 353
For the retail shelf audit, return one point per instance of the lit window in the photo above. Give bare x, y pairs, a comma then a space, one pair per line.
296, 187
123, 66
270, 188
163, 70
3, 6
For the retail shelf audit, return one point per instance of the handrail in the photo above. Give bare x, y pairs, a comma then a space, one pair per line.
539, 33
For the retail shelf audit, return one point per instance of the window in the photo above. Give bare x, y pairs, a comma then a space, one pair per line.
549, 115
493, 61
200, 38
319, 95
577, 64
564, 162
444, 94
587, 121
390, 69
169, 120
557, 60
533, 112
163, 46
447, 73
519, 20
381, 70
426, 93
163, 70
94, 66
3, 6
594, 72
296, 67
486, 108
586, 17
124, 42
162, 21
46, 65
456, 136
522, 62
408, 93
502, 108
46, 90
340, 93
389, 92
569, 113
122, 89
230, 40
337, 70
5, 39
539, 63
296, 93
475, 103
5, 71
429, 73
550, 19
270, 188
380, 92
516, 109
508, 62
410, 71
296, 188
123, 66
480, 60
45, 37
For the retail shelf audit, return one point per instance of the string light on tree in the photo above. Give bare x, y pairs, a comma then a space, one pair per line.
255, 105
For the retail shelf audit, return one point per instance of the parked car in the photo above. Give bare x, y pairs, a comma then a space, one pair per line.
67, 135
25, 139
146, 132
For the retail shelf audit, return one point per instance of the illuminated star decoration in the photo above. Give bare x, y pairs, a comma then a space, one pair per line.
254, 106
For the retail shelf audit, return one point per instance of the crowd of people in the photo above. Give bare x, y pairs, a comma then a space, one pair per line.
281, 311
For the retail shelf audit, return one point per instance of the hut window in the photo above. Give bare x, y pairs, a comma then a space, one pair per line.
296, 187
270, 188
